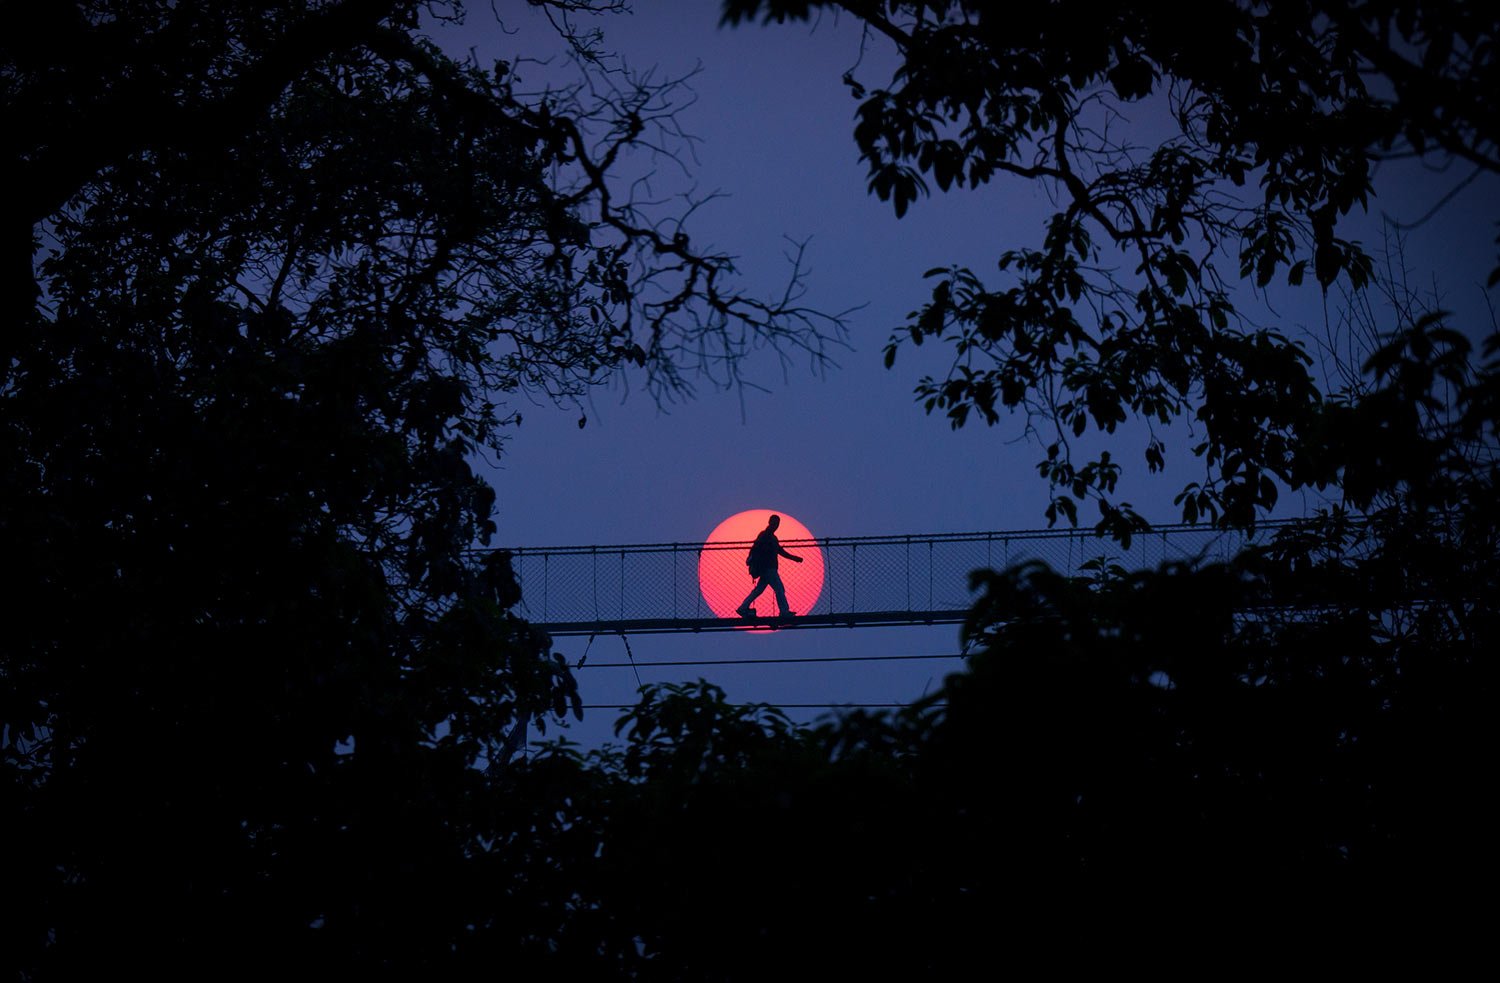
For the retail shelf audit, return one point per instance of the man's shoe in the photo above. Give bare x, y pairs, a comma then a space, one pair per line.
787, 614
744, 612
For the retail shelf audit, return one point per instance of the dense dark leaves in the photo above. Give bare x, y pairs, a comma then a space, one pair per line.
1296, 738
283, 264
280, 265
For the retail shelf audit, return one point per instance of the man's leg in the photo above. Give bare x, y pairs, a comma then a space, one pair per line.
775, 580
744, 609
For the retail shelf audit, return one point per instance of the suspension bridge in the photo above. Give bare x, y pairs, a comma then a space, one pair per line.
861, 581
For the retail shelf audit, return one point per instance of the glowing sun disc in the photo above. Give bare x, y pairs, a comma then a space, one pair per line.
725, 580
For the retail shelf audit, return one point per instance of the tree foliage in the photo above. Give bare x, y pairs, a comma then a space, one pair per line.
271, 274
1132, 769
1273, 118
280, 267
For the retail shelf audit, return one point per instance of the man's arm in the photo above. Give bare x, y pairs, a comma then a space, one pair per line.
782, 550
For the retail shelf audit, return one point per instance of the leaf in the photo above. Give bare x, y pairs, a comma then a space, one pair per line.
1177, 280
1328, 259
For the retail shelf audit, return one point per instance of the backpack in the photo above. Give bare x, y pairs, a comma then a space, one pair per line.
762, 554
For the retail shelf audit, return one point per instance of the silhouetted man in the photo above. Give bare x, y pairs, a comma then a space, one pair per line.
764, 565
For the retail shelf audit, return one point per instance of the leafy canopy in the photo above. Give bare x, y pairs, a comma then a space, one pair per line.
1273, 118
275, 273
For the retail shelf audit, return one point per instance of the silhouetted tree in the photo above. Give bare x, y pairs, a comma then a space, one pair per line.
1134, 769
1273, 117
279, 264
269, 272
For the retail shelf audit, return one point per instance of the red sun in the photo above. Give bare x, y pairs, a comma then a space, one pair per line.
725, 580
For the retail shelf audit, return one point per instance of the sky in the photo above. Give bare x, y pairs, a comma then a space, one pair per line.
849, 452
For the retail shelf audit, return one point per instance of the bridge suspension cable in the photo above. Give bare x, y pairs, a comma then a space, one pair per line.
918, 579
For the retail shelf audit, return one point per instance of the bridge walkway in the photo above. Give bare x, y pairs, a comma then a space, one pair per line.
861, 581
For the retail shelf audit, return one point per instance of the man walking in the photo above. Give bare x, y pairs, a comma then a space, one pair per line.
764, 563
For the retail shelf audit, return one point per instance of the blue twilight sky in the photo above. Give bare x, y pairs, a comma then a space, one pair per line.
850, 453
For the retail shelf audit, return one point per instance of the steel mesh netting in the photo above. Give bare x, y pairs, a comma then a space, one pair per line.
609, 583
917, 573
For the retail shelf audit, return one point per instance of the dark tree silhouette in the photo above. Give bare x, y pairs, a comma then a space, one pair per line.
1275, 117
278, 267
1133, 770
270, 271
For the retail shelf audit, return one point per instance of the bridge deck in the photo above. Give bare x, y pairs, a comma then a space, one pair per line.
656, 626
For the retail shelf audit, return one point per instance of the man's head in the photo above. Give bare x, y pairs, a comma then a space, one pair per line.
773, 522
